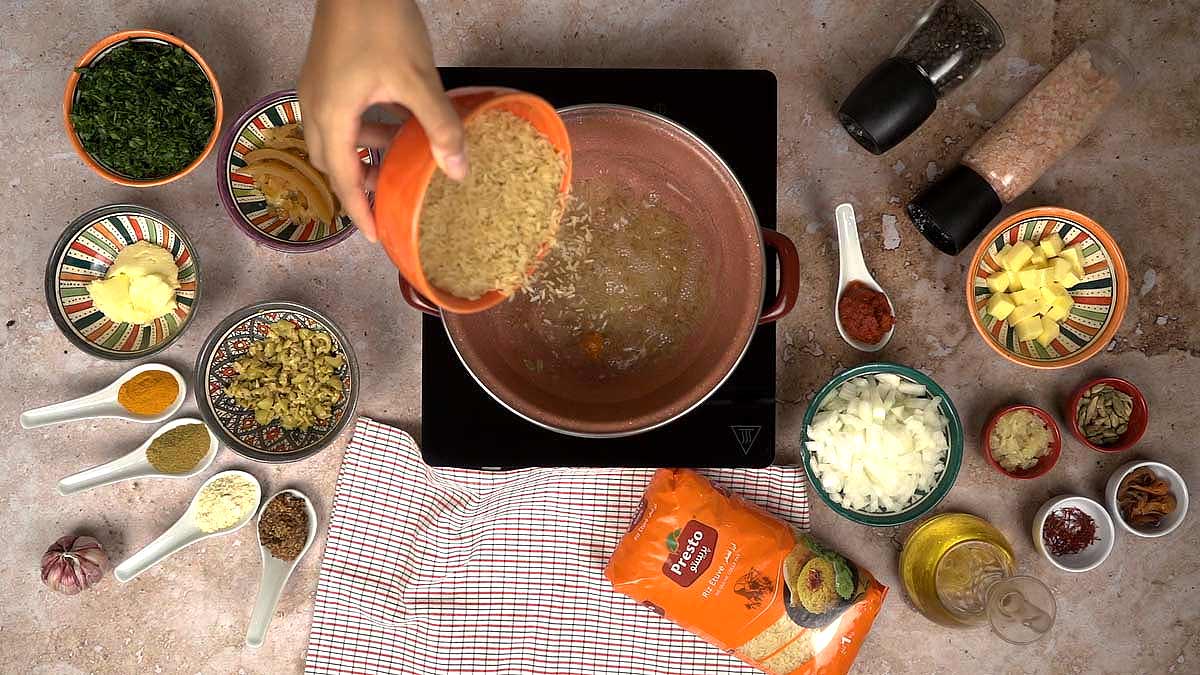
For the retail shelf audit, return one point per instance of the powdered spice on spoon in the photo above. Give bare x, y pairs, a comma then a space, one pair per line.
180, 449
149, 392
283, 526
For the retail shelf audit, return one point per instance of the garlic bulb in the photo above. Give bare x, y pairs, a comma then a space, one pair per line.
73, 563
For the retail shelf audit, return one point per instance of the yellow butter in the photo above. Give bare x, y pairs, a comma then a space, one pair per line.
139, 287
1000, 305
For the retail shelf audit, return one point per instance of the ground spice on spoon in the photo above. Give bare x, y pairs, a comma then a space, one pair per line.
149, 392
180, 449
283, 526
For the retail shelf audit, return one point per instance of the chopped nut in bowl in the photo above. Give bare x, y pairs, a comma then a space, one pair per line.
277, 381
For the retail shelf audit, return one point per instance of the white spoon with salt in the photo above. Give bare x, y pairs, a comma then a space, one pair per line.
104, 403
185, 532
275, 574
136, 465
852, 269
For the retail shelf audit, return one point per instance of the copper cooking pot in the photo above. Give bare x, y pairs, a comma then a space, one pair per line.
644, 151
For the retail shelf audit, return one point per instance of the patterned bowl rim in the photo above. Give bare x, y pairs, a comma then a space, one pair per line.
102, 48
204, 401
1120, 280
954, 456
60, 247
227, 200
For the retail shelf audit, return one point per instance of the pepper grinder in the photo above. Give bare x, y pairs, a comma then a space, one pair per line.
945, 47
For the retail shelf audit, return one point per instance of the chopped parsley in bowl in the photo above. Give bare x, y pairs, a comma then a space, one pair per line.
142, 109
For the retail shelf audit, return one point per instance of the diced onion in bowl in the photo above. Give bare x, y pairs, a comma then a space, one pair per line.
878, 442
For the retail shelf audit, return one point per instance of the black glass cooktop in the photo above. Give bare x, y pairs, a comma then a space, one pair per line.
734, 111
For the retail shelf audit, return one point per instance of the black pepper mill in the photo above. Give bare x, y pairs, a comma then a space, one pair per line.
946, 46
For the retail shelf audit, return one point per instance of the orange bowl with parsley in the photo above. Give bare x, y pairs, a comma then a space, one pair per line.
152, 154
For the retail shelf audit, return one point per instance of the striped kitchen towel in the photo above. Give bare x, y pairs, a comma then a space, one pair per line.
431, 571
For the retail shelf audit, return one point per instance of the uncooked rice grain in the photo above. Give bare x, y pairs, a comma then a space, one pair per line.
484, 233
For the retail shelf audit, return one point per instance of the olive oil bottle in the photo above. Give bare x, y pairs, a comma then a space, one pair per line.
960, 571
948, 563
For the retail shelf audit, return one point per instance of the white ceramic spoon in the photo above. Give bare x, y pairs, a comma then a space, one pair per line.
135, 464
183, 533
853, 268
275, 573
103, 403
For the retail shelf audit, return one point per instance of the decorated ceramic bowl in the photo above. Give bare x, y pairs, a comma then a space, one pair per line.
1100, 297
235, 425
97, 52
924, 501
246, 204
84, 253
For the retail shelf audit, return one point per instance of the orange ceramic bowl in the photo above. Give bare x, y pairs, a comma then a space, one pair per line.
408, 167
101, 48
1100, 298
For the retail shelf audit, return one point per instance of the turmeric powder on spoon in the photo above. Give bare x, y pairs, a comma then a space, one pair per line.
149, 392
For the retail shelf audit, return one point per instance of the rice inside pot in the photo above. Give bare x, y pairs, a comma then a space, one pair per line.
485, 232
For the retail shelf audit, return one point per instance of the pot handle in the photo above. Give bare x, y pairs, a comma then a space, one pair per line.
416, 300
789, 276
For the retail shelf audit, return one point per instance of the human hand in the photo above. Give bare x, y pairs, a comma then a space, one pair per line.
364, 52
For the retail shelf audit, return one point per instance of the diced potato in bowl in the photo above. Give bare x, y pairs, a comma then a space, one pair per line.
1030, 290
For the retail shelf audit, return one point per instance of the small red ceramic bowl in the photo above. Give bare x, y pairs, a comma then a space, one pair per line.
1139, 417
1047, 460
98, 51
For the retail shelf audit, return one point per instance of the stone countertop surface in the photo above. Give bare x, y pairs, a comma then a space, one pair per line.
1136, 175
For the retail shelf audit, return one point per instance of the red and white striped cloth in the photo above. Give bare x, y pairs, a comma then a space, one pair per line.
431, 571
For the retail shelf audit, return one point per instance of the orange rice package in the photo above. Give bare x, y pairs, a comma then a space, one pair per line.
744, 580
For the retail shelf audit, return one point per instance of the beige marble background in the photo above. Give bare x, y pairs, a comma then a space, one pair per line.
1137, 175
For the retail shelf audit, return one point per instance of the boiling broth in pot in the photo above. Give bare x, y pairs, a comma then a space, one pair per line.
624, 286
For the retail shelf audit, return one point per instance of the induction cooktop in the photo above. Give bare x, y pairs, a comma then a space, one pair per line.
734, 111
